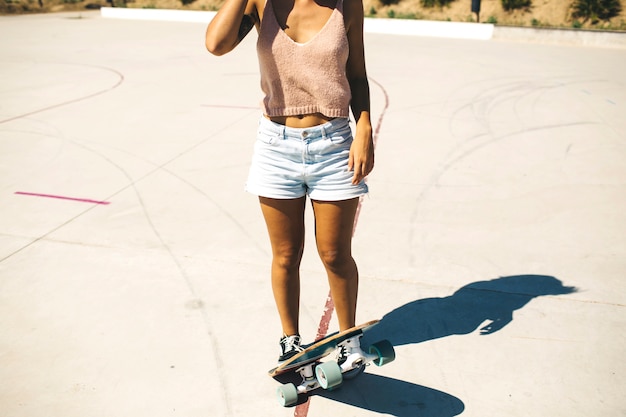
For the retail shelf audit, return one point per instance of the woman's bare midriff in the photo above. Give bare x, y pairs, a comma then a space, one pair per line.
301, 121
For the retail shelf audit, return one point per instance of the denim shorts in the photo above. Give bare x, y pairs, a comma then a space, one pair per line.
294, 162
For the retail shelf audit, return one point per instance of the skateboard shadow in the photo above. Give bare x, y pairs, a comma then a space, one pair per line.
487, 303
390, 396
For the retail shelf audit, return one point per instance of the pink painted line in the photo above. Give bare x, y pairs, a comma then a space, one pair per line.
60, 197
322, 330
302, 410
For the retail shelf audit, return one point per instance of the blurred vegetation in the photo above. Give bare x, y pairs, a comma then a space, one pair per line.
433, 3
596, 10
509, 5
579, 14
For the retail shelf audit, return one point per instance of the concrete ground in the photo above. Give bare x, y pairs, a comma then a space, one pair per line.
134, 268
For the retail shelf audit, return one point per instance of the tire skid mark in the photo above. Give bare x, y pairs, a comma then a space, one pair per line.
481, 106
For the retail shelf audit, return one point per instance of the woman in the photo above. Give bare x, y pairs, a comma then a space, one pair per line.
312, 65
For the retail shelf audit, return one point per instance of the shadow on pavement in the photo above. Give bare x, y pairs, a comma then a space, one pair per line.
390, 396
464, 311
489, 304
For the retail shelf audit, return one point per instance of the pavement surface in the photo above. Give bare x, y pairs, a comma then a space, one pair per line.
134, 268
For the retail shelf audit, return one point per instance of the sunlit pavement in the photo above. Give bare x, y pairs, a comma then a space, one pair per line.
134, 268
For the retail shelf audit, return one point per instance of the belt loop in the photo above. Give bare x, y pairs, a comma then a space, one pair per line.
323, 127
281, 132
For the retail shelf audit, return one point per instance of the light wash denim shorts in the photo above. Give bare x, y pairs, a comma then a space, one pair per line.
293, 162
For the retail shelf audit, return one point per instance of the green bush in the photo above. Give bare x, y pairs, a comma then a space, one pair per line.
433, 3
596, 10
509, 5
389, 2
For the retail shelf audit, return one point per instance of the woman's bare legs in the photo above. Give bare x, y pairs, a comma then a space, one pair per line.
285, 225
334, 224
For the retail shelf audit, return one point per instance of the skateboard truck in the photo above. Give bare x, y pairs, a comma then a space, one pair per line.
357, 358
309, 382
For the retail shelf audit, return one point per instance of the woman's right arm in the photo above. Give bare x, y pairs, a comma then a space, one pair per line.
230, 25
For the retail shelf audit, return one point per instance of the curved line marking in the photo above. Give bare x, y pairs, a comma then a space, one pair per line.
75, 100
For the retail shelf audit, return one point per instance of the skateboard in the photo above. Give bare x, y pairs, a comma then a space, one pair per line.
315, 370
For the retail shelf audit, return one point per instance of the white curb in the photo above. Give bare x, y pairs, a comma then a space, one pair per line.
457, 30
157, 14
427, 28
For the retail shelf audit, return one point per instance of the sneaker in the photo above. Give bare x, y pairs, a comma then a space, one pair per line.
347, 348
289, 347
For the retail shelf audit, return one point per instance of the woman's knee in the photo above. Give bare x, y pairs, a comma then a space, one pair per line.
336, 259
288, 258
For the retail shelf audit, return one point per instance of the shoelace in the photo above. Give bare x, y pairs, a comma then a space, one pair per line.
291, 343
342, 354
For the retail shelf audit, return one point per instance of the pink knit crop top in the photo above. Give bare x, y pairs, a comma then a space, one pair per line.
304, 78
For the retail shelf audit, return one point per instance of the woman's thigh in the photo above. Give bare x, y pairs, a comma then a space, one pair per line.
334, 225
285, 225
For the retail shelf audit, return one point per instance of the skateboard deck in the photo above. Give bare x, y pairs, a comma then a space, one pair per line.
315, 372
319, 349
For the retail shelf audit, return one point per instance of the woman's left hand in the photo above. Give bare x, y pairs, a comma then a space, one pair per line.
361, 159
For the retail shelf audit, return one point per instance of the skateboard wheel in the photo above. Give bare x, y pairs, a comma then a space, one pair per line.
328, 375
385, 352
287, 395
